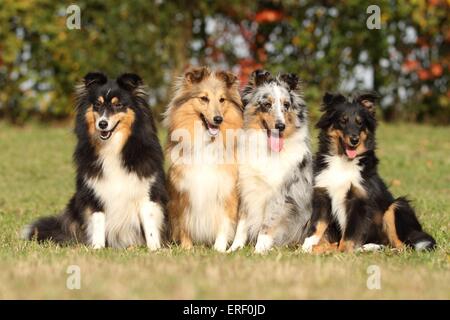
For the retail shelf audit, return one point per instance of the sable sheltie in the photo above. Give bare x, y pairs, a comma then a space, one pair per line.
203, 192
352, 207
276, 186
120, 190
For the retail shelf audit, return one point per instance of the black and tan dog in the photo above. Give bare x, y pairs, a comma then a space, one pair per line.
352, 206
120, 191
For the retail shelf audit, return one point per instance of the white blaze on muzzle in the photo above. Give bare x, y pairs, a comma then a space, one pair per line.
105, 126
278, 107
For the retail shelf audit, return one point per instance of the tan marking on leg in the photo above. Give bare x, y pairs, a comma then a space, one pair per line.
231, 205
323, 244
390, 229
325, 247
185, 240
321, 227
346, 245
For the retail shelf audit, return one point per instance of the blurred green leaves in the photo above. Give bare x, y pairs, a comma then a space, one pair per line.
324, 42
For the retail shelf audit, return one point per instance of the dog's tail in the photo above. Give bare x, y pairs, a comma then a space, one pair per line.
407, 227
56, 228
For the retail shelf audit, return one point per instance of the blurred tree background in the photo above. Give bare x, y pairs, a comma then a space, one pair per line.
326, 42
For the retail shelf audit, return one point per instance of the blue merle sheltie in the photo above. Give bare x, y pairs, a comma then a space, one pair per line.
352, 207
276, 186
120, 190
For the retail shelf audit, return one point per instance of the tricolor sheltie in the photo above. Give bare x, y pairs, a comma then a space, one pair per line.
120, 190
352, 207
203, 192
275, 186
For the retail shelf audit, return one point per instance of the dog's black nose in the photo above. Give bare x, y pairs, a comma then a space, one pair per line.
280, 126
218, 119
354, 140
103, 124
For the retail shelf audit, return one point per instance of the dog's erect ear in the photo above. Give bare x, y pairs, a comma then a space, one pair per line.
228, 77
196, 75
331, 99
94, 78
368, 100
291, 80
258, 77
129, 81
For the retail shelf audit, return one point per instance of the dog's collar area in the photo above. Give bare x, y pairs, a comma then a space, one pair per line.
106, 134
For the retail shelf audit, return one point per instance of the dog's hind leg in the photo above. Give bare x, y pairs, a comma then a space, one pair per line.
152, 216
403, 228
97, 230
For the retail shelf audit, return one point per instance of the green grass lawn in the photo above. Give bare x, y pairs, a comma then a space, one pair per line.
37, 178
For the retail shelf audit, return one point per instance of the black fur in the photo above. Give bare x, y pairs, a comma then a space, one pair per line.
364, 213
141, 154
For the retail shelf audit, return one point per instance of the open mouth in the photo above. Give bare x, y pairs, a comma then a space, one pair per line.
213, 130
275, 138
106, 134
349, 150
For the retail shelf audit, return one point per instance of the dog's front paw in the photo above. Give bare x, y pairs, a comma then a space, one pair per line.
98, 246
153, 245
371, 247
236, 246
263, 244
309, 243
220, 246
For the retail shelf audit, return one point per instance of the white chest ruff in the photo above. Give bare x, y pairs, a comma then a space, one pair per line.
337, 179
208, 186
122, 194
262, 178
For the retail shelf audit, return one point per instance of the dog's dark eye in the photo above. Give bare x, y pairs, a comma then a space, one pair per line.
267, 105
343, 120
205, 99
98, 104
118, 106
222, 100
358, 121
287, 105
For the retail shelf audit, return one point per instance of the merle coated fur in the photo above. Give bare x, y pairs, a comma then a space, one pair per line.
139, 157
369, 213
275, 211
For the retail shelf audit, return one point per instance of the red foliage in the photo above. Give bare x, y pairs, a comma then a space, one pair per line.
434, 3
410, 65
247, 66
268, 16
424, 74
423, 42
436, 70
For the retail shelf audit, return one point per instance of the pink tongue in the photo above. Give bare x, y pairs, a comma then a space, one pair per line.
350, 153
275, 142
